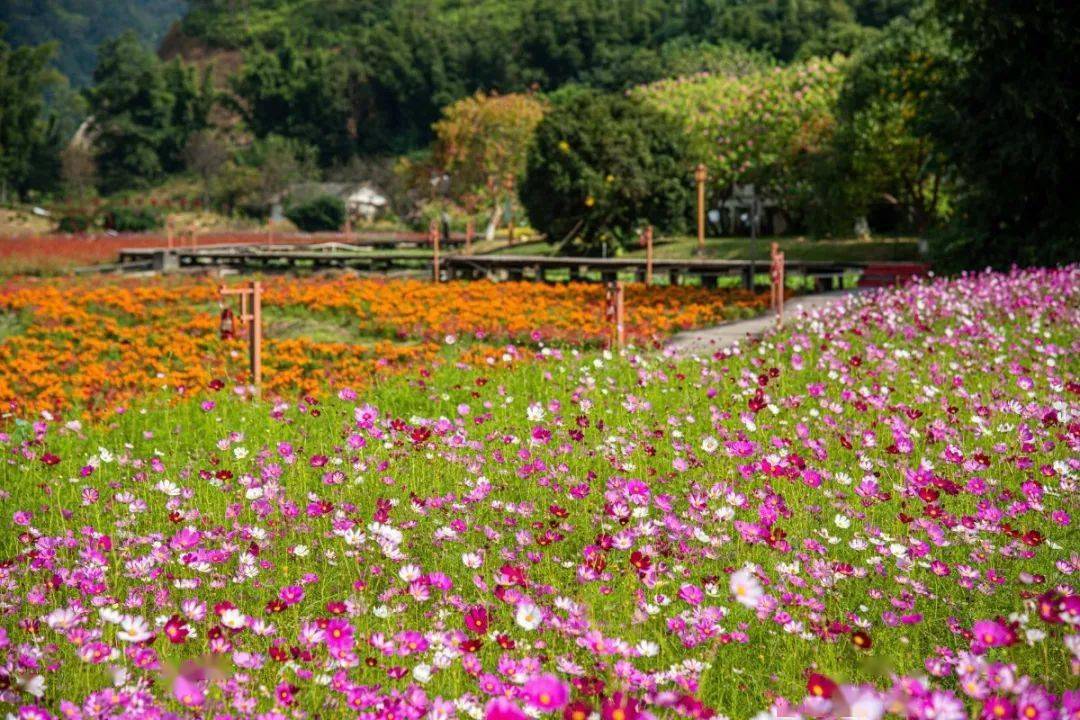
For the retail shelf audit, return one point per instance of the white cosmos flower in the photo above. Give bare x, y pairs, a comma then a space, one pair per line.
134, 629
233, 619
528, 616
110, 615
710, 444
408, 573
535, 413
647, 648
472, 560
422, 673
746, 588
842, 521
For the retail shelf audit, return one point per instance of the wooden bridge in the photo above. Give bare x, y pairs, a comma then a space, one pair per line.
708, 272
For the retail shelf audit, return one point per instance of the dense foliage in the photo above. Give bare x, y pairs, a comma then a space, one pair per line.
602, 165
320, 214
1011, 129
28, 139
882, 161
762, 128
396, 64
143, 112
482, 141
79, 27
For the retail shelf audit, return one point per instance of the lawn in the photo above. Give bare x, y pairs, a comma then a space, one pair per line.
872, 512
798, 248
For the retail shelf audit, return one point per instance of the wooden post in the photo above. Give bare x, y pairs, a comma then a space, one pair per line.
169, 231
700, 174
348, 227
251, 316
470, 230
433, 233
510, 209
648, 254
776, 286
255, 336
614, 314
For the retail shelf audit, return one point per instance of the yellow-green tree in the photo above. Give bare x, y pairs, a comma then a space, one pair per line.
482, 140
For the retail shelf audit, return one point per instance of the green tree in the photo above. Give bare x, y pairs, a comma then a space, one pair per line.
882, 151
131, 107
483, 139
29, 141
600, 166
192, 101
1011, 129
299, 94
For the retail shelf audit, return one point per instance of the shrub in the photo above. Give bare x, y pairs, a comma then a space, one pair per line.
320, 214
74, 223
602, 165
127, 219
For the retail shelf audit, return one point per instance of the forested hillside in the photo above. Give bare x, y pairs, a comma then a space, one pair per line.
79, 26
398, 62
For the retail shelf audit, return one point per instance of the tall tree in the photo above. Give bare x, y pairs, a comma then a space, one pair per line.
130, 106
1012, 129
297, 93
882, 153
27, 137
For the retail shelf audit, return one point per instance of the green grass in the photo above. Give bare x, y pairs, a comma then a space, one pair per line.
876, 250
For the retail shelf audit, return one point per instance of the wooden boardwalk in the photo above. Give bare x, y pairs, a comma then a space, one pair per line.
323, 256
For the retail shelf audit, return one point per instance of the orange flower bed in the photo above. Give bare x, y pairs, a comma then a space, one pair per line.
96, 344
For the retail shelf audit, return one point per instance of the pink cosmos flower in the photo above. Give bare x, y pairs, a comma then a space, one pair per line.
546, 693
502, 709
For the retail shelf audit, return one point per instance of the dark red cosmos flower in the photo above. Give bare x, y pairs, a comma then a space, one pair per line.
577, 710
505, 642
861, 639
472, 645
820, 686
640, 561
216, 384
1048, 607
176, 630
50, 459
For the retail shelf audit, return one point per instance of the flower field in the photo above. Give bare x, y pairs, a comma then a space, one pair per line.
55, 253
871, 513
96, 345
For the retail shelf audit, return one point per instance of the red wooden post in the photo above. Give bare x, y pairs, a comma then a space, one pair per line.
255, 338
510, 209
433, 233
251, 316
614, 314
169, 231
776, 286
648, 254
470, 230
700, 175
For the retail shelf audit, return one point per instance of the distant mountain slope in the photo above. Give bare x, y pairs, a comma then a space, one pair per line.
79, 26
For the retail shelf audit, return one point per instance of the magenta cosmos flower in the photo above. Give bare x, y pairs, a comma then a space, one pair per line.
546, 693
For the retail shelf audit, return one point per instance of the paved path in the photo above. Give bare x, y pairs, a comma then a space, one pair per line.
721, 336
